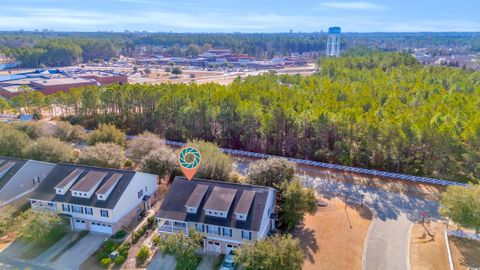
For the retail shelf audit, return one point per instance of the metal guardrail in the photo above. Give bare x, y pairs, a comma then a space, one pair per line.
463, 234
334, 166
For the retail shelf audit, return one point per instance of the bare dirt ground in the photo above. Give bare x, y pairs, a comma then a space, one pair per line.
334, 237
428, 248
7, 240
465, 253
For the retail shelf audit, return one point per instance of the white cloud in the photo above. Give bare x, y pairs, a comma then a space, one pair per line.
351, 5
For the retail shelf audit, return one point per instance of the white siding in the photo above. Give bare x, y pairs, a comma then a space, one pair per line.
22, 181
269, 208
129, 199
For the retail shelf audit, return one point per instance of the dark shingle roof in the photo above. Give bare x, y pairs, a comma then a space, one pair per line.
12, 171
46, 190
173, 206
220, 199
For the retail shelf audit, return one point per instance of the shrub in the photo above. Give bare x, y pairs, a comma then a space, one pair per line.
12, 141
110, 246
136, 236
49, 149
106, 134
35, 129
123, 250
70, 133
143, 144
103, 155
128, 163
119, 235
106, 262
215, 164
162, 162
271, 172
143, 254
120, 259
102, 255
151, 221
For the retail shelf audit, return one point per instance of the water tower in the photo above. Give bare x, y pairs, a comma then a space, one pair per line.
333, 42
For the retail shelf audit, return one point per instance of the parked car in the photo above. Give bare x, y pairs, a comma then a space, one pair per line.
228, 263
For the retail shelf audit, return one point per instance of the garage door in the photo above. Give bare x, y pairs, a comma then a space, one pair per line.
79, 224
100, 227
213, 246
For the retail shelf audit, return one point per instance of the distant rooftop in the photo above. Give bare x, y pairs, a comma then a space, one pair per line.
62, 81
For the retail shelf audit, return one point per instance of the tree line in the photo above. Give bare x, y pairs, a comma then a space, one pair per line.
380, 111
57, 52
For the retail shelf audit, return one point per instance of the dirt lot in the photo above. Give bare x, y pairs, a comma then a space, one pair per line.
7, 240
334, 237
465, 253
428, 248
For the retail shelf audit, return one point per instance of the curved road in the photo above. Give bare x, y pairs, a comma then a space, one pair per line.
387, 243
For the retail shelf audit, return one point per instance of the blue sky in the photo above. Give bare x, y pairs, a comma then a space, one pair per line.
241, 15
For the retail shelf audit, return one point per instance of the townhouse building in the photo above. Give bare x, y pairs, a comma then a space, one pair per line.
19, 177
95, 199
227, 214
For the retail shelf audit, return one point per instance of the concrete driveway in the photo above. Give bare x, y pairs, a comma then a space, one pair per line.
160, 262
77, 254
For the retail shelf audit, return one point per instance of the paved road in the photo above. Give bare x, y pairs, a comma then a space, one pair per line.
394, 214
388, 244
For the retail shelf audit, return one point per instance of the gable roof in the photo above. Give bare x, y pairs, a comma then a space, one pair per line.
19, 163
173, 206
46, 190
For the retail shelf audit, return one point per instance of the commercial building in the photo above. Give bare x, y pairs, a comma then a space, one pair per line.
51, 86
227, 214
104, 78
95, 199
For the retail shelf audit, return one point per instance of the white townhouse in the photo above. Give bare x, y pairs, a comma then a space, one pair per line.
95, 199
19, 177
227, 214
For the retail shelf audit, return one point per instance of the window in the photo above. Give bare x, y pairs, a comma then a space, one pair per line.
77, 209
227, 232
247, 235
140, 193
199, 227
89, 211
146, 189
179, 224
103, 213
66, 207
213, 229
51, 204
139, 208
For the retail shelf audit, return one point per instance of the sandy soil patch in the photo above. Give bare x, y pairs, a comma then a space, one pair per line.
7, 239
465, 253
428, 248
334, 237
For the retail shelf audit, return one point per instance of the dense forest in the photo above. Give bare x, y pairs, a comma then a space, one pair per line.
36, 49
384, 111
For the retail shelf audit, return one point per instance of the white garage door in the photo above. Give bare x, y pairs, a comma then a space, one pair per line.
100, 227
213, 246
79, 224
